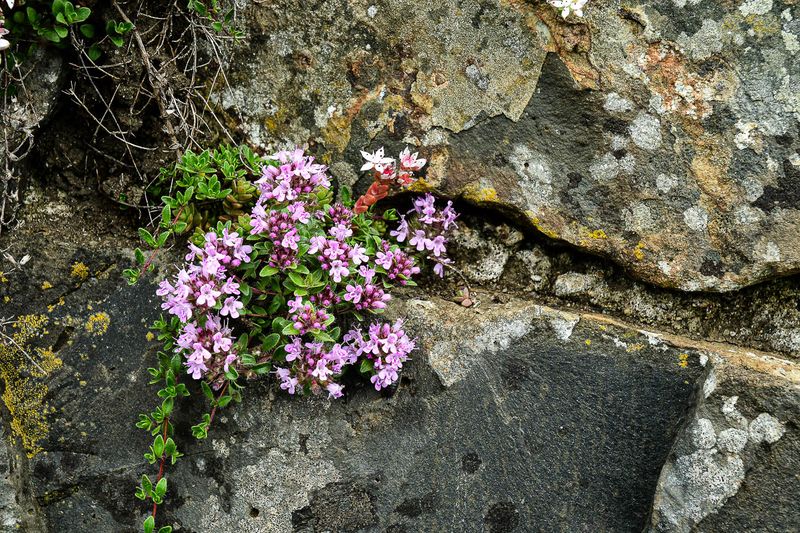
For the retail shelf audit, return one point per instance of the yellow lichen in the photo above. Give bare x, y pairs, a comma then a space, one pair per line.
47, 285
638, 252
476, 193
150, 336
683, 360
538, 225
22, 367
79, 271
598, 234
635, 347
6, 299
588, 342
98, 323
3, 278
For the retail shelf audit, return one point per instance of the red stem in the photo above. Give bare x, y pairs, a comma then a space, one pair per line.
163, 462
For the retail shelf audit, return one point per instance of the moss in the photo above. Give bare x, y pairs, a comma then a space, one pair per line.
21, 369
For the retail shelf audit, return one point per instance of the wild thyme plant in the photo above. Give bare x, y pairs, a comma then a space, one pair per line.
273, 290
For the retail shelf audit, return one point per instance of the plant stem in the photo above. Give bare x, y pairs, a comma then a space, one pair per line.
214, 409
163, 462
154, 252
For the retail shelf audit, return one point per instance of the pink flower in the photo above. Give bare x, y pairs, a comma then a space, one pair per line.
334, 390
338, 270
409, 161
419, 239
231, 307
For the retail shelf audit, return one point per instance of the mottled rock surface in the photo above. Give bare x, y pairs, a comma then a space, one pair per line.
512, 416
661, 134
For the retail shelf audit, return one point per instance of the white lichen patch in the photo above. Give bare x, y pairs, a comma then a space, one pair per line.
617, 104
535, 175
645, 132
755, 7
703, 44
766, 428
732, 440
563, 324
696, 218
665, 182
702, 434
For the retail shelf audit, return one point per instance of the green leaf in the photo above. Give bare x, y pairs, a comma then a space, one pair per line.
207, 390
366, 366
94, 52
58, 6
149, 524
267, 271
161, 487
165, 529
289, 329
147, 237
270, 341
261, 368
82, 13
158, 446
232, 374
118, 41
62, 31
225, 400
60, 18
147, 485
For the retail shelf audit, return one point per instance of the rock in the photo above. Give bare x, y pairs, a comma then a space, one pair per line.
30, 105
661, 135
739, 480
509, 415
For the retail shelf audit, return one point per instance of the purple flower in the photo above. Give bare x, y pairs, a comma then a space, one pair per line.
338, 270
401, 233
419, 239
437, 245
231, 307
340, 232
334, 390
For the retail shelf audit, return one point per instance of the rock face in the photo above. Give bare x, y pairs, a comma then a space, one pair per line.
513, 416
661, 134
630, 165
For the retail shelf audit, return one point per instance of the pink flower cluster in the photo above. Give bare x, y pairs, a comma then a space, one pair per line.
304, 317
204, 284
314, 367
335, 255
208, 348
366, 296
386, 345
426, 230
296, 174
397, 264
201, 293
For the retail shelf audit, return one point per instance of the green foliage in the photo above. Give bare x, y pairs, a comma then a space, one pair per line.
52, 21
219, 19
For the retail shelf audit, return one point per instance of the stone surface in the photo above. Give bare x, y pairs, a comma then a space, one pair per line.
660, 134
512, 415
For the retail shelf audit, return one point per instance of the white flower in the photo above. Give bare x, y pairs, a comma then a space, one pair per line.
376, 160
567, 6
10, 4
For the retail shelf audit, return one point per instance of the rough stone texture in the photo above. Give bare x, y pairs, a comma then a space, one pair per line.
512, 415
661, 134
718, 466
496, 256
